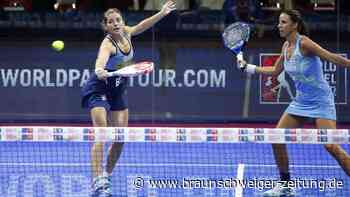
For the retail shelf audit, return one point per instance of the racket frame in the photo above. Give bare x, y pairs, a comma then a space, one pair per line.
237, 50
131, 74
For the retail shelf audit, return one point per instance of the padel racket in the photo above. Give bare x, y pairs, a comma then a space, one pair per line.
136, 69
235, 36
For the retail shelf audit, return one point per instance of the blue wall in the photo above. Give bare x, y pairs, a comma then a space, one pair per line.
189, 84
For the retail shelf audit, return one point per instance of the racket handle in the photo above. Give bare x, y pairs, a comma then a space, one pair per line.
113, 74
240, 59
121, 74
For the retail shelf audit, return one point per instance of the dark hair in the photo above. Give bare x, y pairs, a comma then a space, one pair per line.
296, 17
105, 15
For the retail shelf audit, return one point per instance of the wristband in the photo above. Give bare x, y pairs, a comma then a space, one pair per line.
250, 68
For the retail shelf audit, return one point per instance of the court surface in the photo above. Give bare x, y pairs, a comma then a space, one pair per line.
62, 169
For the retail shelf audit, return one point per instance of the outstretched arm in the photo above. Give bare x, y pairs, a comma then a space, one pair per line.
168, 7
276, 69
309, 46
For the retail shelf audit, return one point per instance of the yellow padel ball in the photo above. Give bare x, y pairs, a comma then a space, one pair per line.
57, 45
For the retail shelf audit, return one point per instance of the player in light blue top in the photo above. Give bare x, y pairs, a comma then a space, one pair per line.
300, 58
103, 96
314, 97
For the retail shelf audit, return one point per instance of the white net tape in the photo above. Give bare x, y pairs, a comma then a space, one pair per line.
180, 135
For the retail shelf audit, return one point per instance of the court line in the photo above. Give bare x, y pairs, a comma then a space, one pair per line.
240, 176
294, 166
166, 165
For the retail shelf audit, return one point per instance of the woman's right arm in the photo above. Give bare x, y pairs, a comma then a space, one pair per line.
102, 58
276, 69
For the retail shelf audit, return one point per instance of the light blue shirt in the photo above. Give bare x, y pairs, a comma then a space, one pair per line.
307, 74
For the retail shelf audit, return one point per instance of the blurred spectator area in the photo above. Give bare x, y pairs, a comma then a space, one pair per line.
157, 4
44, 5
207, 17
16, 5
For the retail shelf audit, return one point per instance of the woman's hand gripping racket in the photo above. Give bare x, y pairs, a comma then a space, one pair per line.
235, 36
136, 69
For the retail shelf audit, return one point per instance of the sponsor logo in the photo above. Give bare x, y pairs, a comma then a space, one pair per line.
290, 138
88, 134
322, 139
27, 133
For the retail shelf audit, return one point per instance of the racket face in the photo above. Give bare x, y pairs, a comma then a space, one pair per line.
137, 69
235, 35
143, 66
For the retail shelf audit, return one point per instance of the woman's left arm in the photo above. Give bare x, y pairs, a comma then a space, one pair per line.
308, 46
147, 23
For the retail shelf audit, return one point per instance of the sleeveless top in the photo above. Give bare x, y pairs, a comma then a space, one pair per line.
119, 57
115, 61
307, 74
